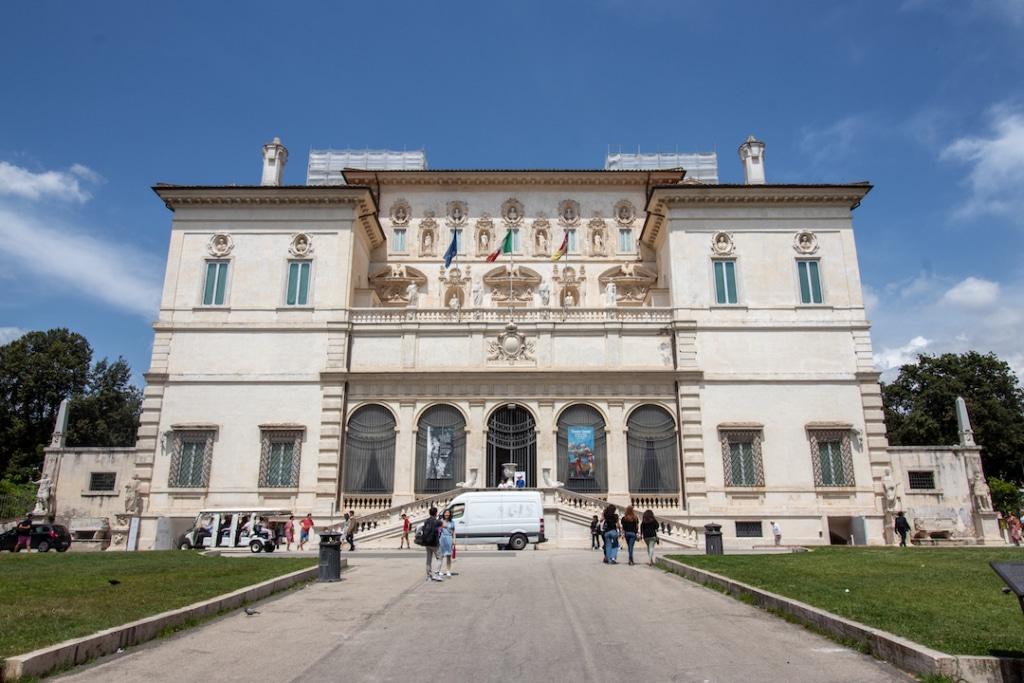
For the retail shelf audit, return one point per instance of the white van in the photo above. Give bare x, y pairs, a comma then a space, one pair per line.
509, 518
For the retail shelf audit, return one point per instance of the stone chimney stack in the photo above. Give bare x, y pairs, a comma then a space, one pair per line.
275, 156
752, 155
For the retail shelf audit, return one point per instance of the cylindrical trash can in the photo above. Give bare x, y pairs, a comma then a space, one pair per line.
713, 539
330, 556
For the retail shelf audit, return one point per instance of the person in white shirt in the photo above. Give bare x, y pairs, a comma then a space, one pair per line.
776, 532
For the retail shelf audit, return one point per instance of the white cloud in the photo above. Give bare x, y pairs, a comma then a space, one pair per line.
9, 334
972, 292
116, 274
996, 167
67, 186
834, 141
892, 359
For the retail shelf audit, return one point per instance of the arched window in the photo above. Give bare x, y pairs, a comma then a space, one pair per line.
652, 451
440, 449
370, 451
582, 450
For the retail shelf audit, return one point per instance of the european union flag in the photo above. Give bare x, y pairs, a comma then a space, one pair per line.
453, 249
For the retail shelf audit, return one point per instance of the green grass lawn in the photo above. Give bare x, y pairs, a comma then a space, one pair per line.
50, 597
946, 598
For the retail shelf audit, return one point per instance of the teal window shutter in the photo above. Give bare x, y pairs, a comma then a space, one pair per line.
719, 282
304, 283
211, 283
730, 281
222, 280
293, 283
812, 268
805, 285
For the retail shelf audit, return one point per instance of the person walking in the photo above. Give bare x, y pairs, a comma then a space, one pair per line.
776, 532
24, 529
902, 527
350, 532
649, 532
595, 533
630, 529
304, 528
446, 546
1013, 525
406, 526
289, 532
431, 538
611, 535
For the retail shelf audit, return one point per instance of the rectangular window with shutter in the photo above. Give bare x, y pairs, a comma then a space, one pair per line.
398, 241
741, 455
279, 458
810, 282
190, 459
831, 457
215, 285
298, 283
725, 282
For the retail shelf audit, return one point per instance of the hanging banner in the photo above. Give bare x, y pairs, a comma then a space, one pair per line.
581, 452
440, 442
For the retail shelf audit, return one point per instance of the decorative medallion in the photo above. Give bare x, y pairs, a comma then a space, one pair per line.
805, 242
428, 234
484, 235
512, 212
569, 213
722, 244
301, 245
400, 213
511, 345
625, 214
457, 213
598, 236
220, 245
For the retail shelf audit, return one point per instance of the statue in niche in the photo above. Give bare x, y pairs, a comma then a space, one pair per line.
570, 301
453, 303
598, 243
542, 243
412, 293
485, 241
428, 243
478, 295
545, 293
609, 294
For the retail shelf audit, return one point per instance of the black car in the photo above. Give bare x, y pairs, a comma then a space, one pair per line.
44, 537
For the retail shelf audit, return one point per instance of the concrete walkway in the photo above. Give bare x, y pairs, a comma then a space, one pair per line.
547, 615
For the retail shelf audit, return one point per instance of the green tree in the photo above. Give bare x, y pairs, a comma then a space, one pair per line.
1006, 496
920, 407
40, 369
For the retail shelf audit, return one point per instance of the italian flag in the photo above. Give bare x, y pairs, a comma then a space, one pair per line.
505, 248
560, 252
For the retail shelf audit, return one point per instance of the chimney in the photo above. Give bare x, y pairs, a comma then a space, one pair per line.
275, 156
752, 155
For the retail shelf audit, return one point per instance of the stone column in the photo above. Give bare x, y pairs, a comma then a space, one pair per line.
618, 460
405, 454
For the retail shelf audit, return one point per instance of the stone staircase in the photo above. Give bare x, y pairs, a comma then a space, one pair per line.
560, 503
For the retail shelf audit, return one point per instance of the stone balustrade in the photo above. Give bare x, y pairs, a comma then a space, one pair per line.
655, 501
680, 533
385, 316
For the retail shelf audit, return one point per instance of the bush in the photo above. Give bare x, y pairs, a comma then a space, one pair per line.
1006, 496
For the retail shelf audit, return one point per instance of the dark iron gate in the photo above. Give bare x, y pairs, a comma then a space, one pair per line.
511, 437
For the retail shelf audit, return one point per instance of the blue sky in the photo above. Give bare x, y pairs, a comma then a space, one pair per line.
924, 99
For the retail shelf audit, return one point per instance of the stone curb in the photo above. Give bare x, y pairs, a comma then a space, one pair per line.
900, 652
79, 650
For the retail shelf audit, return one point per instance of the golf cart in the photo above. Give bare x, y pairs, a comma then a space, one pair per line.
256, 528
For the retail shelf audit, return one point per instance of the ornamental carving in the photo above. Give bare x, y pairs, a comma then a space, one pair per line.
511, 346
598, 236
484, 238
512, 212
722, 244
805, 242
220, 245
400, 213
512, 285
625, 214
454, 281
395, 284
541, 236
428, 234
569, 213
630, 284
301, 245
570, 285
457, 213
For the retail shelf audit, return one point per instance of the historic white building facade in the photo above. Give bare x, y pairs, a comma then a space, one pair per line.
700, 349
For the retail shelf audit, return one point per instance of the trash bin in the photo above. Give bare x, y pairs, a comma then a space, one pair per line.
713, 539
330, 556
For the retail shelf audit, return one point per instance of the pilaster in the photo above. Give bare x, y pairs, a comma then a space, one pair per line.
618, 465
405, 453
475, 446
328, 453
691, 435
547, 433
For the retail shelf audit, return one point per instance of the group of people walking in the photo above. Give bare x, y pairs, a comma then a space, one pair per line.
437, 535
606, 532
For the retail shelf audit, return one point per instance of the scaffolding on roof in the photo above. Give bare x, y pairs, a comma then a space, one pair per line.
699, 166
326, 165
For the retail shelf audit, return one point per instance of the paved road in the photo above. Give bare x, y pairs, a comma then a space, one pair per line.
541, 616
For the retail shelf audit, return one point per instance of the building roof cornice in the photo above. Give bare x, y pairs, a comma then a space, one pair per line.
664, 197
531, 177
357, 196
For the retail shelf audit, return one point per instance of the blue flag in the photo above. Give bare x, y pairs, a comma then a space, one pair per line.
453, 249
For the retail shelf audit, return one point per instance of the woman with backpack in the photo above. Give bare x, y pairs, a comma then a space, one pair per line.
649, 532
611, 534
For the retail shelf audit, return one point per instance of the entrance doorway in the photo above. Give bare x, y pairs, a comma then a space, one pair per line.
511, 437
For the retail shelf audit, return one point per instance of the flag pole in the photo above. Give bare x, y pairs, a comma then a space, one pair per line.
511, 270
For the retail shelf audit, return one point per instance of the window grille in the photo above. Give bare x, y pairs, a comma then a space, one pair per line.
832, 458
280, 453
190, 459
588, 472
102, 481
652, 451
749, 530
370, 451
741, 456
440, 449
923, 479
